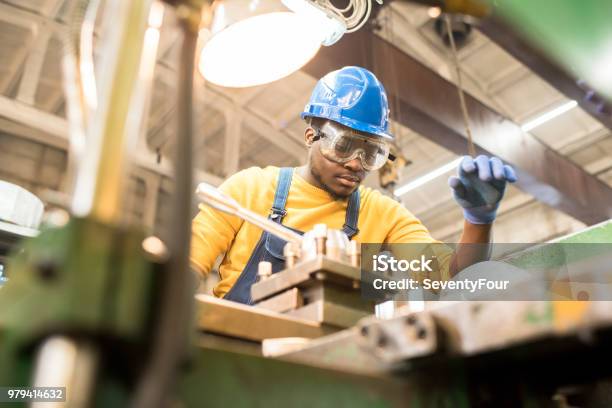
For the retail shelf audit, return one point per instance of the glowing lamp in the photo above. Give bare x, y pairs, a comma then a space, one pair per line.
257, 42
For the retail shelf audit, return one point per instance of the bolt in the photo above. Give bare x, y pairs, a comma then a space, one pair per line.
291, 251
155, 248
264, 270
382, 340
47, 270
421, 333
320, 235
354, 253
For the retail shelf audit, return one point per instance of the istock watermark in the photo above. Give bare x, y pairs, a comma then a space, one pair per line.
558, 271
386, 263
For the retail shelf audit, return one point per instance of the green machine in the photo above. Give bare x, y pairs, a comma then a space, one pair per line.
94, 305
575, 34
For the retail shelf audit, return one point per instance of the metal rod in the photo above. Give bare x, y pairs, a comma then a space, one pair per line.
464, 110
76, 109
171, 335
101, 173
216, 199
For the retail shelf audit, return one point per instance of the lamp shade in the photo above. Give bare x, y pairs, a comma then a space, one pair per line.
257, 42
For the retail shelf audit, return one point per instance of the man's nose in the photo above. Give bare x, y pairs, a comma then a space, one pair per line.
354, 165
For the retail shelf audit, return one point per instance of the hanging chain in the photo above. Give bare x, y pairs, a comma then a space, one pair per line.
464, 111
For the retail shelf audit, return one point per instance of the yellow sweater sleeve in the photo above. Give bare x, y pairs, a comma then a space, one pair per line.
408, 229
401, 225
213, 231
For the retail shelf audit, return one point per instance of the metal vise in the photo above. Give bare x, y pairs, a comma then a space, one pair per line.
321, 281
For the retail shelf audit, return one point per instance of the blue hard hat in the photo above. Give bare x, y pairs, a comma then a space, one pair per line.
353, 97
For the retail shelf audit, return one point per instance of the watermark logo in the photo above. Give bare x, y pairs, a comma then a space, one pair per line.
388, 263
558, 271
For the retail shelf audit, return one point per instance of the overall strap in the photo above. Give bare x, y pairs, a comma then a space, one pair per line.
280, 196
352, 215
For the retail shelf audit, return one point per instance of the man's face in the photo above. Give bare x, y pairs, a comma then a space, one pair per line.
339, 180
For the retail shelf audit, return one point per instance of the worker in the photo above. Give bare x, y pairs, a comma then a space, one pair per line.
347, 135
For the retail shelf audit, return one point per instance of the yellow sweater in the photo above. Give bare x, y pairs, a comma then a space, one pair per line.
381, 220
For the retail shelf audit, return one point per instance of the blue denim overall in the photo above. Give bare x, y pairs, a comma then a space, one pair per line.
270, 247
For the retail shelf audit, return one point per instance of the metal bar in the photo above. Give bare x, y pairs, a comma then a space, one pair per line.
171, 333
106, 202
288, 300
428, 104
300, 275
329, 313
252, 323
100, 173
222, 202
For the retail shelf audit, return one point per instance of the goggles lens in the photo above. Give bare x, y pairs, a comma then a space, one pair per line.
342, 145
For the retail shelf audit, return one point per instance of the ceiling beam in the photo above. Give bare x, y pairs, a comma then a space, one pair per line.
231, 143
56, 130
17, 16
512, 42
277, 137
429, 104
33, 67
29, 19
218, 99
247, 95
292, 111
42, 26
19, 112
13, 66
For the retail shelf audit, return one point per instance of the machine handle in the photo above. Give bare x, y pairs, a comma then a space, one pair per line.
222, 202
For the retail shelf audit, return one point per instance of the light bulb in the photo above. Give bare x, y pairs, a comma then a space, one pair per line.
260, 49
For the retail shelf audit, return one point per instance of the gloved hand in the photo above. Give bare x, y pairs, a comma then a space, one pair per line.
480, 186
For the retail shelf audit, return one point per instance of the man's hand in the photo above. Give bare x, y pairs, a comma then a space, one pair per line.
480, 186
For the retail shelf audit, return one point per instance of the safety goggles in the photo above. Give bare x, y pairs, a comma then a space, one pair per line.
341, 145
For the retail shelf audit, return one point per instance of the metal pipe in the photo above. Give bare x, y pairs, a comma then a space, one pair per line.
222, 202
171, 334
100, 176
76, 108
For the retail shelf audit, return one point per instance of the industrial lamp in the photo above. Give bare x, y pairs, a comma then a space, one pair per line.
260, 41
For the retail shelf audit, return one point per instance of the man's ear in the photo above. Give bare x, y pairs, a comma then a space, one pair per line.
309, 135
